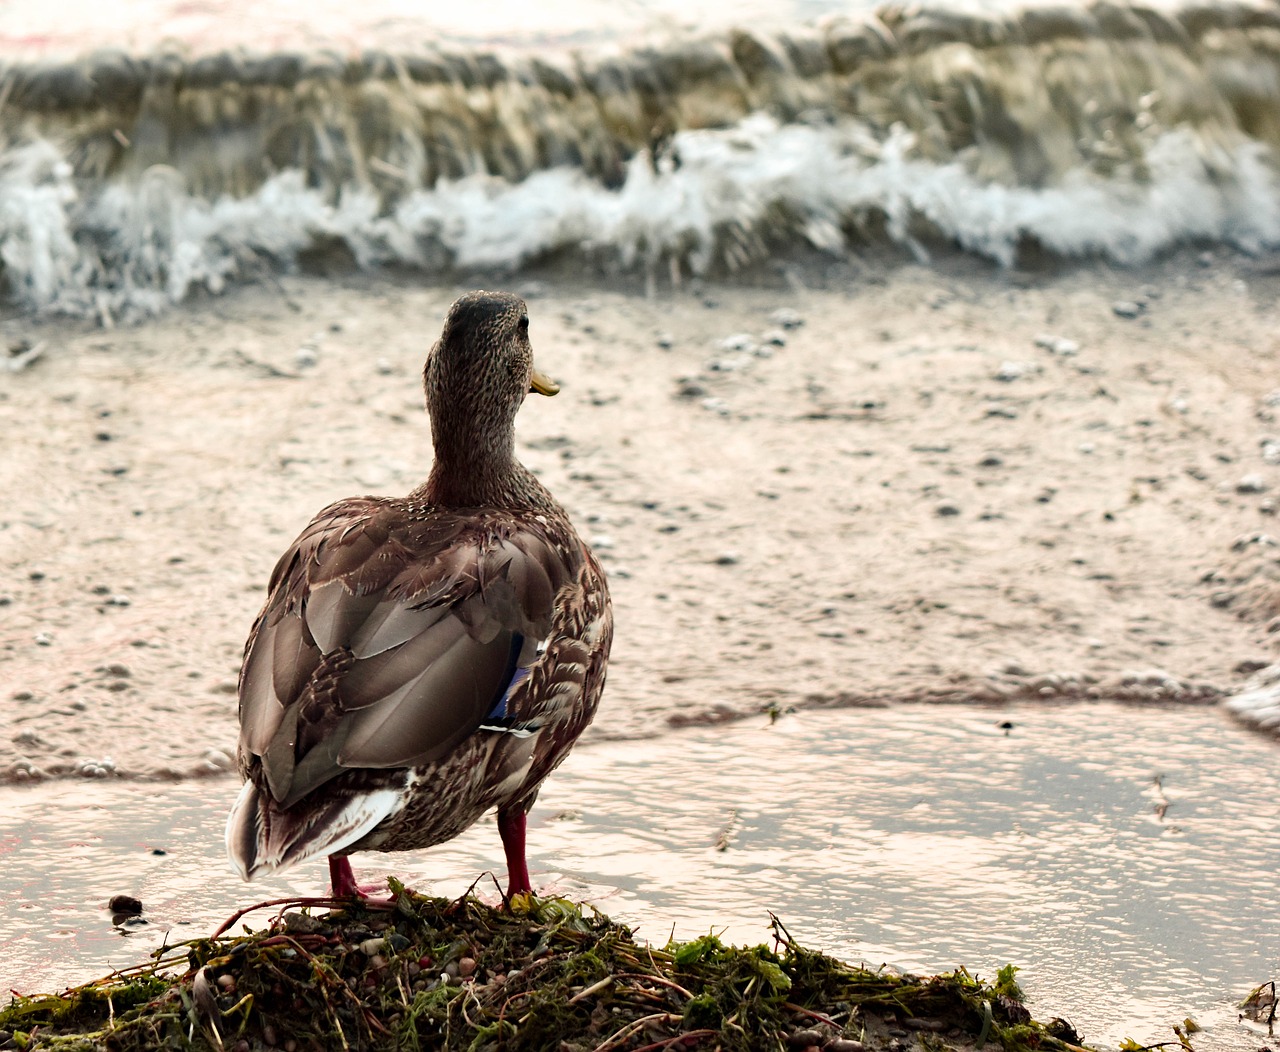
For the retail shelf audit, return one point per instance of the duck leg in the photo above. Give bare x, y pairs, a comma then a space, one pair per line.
341, 878
511, 827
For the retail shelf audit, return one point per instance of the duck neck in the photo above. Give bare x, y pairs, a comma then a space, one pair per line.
475, 469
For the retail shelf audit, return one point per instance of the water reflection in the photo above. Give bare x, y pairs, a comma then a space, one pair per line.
1123, 857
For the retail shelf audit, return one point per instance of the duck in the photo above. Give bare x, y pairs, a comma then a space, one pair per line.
421, 661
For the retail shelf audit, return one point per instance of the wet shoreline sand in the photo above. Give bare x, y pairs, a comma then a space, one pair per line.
859, 485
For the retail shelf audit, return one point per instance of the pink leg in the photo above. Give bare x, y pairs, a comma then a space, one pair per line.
511, 827
341, 879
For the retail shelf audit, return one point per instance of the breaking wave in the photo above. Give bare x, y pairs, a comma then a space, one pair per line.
1106, 130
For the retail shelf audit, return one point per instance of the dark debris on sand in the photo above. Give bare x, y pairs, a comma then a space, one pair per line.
544, 974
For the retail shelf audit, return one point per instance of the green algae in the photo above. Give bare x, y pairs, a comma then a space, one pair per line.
542, 974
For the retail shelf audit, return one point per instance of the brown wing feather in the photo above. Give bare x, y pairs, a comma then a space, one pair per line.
387, 637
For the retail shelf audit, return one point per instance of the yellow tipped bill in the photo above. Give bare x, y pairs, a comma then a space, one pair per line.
543, 384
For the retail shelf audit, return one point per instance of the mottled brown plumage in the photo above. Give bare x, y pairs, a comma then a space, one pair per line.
421, 660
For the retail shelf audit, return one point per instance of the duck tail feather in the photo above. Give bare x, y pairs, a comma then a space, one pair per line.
262, 837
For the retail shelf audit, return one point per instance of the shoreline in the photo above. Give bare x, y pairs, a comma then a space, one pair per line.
860, 485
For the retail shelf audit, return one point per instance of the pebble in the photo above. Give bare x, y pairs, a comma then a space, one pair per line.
687, 387
843, 1044
934, 1025
384, 366
805, 1038
1251, 484
43, 639
731, 364
728, 559
1058, 345
715, 405
1126, 309
1271, 450
118, 600
946, 510
774, 338
991, 461
1003, 412
665, 340
125, 904
1010, 371
466, 966
217, 760
305, 357
786, 318
739, 341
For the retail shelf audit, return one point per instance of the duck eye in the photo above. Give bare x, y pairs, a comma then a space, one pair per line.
524, 323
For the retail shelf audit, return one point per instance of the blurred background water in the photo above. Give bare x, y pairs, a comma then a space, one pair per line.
152, 149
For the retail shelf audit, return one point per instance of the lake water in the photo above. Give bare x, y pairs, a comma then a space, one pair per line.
1123, 857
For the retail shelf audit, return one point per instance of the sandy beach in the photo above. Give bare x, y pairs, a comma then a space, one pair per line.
848, 485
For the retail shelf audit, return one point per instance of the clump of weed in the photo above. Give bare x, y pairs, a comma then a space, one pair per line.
542, 974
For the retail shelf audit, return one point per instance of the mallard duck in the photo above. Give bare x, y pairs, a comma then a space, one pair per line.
422, 660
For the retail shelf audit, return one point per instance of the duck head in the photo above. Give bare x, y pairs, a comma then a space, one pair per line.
476, 377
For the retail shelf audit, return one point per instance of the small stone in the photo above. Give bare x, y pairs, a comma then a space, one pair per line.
786, 318
1058, 345
117, 670
946, 510
1010, 371
1002, 412
715, 405
118, 600
843, 1044
991, 461
805, 1038
774, 338
383, 366
43, 639
1251, 484
690, 388
125, 904
665, 340
466, 966
305, 357
727, 559
739, 341
1126, 309
934, 1025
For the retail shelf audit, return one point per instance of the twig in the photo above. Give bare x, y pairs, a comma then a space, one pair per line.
330, 902
668, 1042
656, 979
812, 1014
594, 988
639, 1024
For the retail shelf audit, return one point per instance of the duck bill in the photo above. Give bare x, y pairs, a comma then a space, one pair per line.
543, 384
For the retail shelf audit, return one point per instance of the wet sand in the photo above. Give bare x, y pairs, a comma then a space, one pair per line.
904, 497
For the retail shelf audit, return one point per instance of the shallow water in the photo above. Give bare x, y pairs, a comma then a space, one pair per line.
1123, 857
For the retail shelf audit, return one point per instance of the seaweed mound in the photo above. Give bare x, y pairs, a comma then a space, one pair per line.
544, 974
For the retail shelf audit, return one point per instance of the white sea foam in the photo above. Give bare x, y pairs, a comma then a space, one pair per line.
129, 249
